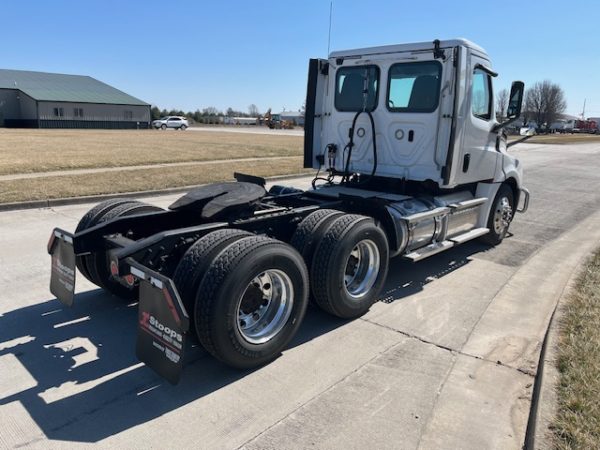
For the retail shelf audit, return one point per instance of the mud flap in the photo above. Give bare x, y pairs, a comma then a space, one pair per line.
62, 277
162, 323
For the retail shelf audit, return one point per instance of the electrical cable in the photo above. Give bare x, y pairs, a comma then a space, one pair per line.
350, 145
331, 176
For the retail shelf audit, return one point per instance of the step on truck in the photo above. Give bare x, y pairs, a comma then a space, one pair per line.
410, 162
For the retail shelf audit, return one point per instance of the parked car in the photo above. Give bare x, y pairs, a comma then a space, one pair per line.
179, 123
528, 131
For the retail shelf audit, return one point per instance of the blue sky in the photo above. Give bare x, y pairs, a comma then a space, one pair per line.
193, 54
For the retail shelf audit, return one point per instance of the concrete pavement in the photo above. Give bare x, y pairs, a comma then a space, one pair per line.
447, 359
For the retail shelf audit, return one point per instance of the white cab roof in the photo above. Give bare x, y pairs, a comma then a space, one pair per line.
397, 48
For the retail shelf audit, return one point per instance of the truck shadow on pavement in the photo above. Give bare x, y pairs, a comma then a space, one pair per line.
75, 371
406, 278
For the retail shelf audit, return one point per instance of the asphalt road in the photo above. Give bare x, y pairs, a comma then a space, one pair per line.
446, 359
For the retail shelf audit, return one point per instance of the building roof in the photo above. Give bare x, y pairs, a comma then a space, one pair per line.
291, 113
59, 87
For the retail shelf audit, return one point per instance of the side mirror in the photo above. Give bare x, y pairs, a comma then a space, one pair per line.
515, 101
527, 131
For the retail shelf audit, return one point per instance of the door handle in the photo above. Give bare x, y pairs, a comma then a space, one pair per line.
466, 161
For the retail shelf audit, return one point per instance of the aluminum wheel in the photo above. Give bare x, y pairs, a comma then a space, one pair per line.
265, 306
502, 216
362, 268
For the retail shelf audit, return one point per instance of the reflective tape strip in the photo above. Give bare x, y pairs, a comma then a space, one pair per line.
156, 282
138, 273
64, 237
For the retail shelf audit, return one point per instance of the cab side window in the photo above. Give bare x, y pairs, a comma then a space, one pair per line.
481, 95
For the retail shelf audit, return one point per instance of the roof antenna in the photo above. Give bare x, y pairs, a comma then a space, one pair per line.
329, 35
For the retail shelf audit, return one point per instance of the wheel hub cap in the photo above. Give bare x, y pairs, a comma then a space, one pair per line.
265, 306
502, 216
362, 268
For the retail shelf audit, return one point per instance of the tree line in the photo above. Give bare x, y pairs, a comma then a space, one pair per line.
209, 114
544, 103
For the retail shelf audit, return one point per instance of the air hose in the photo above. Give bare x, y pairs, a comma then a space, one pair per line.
350, 145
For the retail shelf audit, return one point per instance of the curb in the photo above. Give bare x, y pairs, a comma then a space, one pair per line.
49, 203
535, 424
543, 400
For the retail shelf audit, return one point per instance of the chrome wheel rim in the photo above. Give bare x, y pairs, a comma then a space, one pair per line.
362, 268
265, 306
502, 216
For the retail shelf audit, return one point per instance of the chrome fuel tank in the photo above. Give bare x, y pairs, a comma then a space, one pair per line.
421, 221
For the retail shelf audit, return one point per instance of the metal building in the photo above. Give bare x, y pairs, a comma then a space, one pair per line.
296, 117
53, 100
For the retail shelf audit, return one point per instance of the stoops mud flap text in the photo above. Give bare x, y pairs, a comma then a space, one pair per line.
162, 323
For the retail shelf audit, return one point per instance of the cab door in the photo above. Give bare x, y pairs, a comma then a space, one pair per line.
315, 113
478, 155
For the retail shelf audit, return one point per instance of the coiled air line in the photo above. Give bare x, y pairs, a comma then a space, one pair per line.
350, 145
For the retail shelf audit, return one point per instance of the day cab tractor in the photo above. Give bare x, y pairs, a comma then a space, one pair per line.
410, 161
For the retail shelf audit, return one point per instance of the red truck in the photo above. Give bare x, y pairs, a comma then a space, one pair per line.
585, 126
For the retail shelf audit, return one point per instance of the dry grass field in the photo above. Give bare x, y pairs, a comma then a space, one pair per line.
139, 180
577, 424
25, 151
38, 151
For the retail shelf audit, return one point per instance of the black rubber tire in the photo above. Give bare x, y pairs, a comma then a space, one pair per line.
222, 287
310, 231
195, 262
328, 268
90, 219
163, 127
99, 265
494, 238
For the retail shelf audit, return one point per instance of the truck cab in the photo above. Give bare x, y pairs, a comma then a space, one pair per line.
433, 110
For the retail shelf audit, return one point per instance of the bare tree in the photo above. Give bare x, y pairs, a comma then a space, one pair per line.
544, 102
210, 111
501, 104
253, 110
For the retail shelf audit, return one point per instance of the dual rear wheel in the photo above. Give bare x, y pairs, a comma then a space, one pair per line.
347, 255
247, 294
96, 266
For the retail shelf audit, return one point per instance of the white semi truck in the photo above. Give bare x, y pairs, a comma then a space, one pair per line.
411, 161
